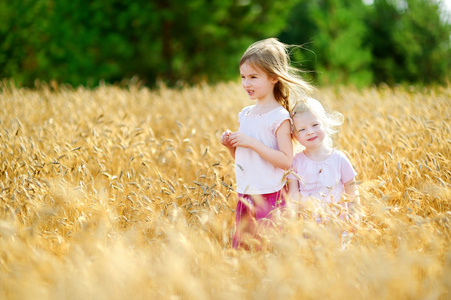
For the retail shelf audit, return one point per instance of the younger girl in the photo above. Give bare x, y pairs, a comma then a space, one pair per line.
324, 173
262, 147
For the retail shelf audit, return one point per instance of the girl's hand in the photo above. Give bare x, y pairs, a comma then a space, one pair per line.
225, 139
239, 139
280, 158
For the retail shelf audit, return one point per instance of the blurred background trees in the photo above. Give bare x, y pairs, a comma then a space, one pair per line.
351, 42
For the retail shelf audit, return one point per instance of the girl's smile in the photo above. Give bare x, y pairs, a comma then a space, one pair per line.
309, 130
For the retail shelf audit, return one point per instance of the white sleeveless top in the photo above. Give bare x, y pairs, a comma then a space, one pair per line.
254, 175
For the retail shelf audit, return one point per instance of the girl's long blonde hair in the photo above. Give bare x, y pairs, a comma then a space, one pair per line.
272, 56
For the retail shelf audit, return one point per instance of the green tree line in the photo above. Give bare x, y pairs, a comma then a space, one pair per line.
84, 42
390, 41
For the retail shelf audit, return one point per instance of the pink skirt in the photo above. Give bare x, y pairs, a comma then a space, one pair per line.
251, 210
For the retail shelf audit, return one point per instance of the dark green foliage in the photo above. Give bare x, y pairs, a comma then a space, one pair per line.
335, 31
82, 42
85, 41
390, 41
410, 42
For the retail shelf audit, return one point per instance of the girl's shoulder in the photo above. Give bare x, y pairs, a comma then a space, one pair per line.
278, 114
281, 111
340, 156
278, 110
245, 110
299, 154
299, 157
274, 115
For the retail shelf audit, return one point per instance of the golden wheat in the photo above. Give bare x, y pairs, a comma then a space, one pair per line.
126, 193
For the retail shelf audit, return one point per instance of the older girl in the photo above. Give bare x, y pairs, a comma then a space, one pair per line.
262, 147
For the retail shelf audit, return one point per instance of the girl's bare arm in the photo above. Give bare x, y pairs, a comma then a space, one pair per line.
281, 158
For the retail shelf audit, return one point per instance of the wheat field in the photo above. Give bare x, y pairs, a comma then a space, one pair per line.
126, 193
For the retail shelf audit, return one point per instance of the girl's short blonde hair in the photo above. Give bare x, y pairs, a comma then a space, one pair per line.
331, 122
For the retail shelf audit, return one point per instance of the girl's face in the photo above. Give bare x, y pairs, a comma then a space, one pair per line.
256, 82
309, 130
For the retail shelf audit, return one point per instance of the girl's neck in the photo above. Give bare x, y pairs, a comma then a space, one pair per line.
319, 153
265, 105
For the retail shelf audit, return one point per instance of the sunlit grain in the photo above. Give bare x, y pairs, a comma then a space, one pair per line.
127, 194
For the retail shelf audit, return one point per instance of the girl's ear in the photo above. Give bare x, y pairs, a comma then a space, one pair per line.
274, 80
